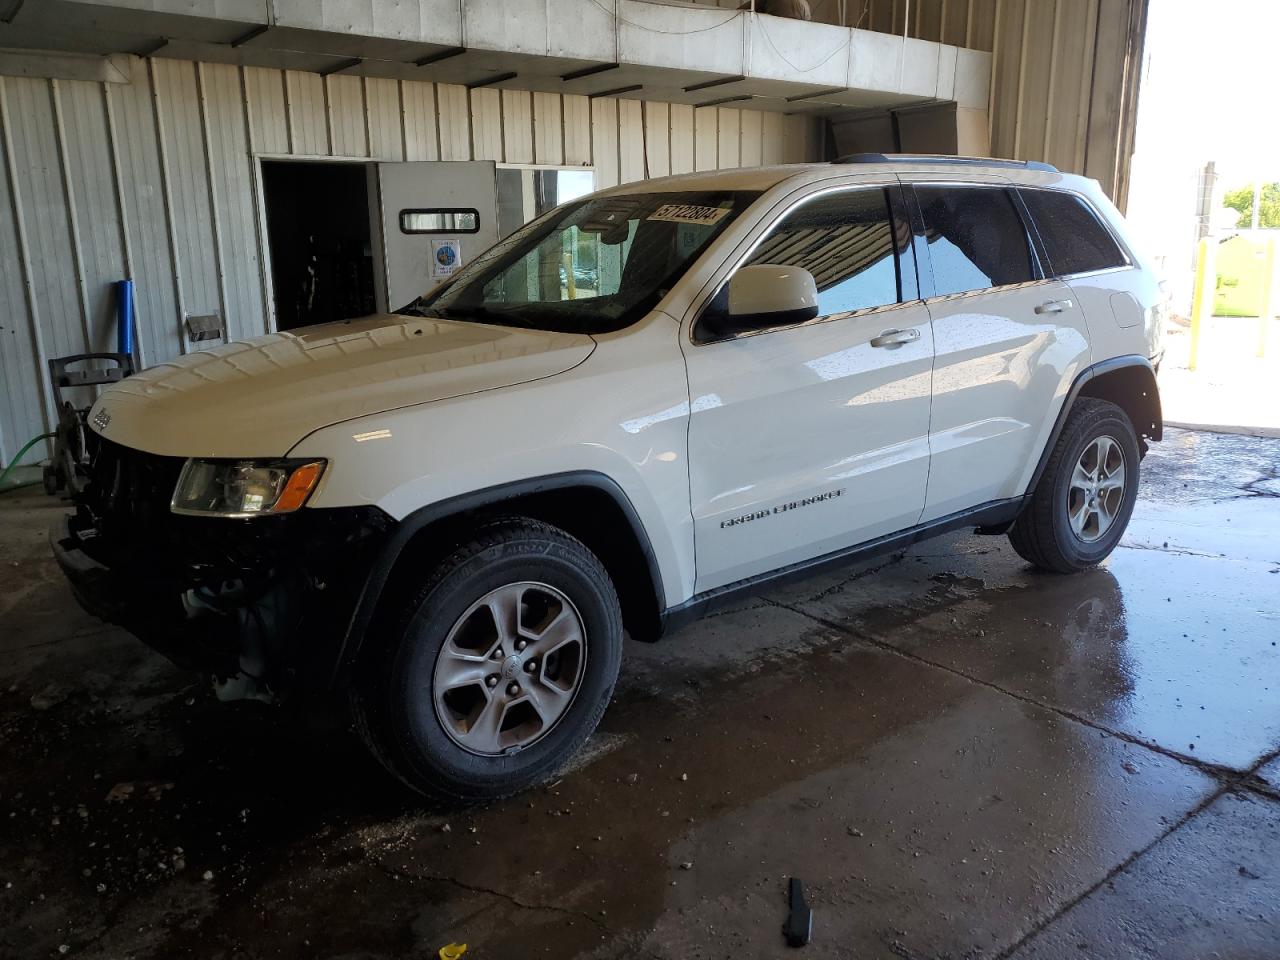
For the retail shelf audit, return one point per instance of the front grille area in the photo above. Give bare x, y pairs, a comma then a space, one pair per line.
125, 512
129, 490
204, 589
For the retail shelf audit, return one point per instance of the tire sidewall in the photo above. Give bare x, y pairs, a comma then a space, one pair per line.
424, 746
1083, 553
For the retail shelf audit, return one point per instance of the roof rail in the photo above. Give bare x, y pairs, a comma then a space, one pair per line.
944, 159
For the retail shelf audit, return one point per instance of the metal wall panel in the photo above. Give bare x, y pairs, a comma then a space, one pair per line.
148, 252
631, 140
383, 118
25, 409
268, 116
577, 129
86, 147
657, 139
455, 121
156, 179
548, 129
730, 138
38, 182
517, 127
418, 105
751, 153
604, 141
185, 171
232, 192
681, 138
706, 137
308, 115
486, 124
771, 138
348, 133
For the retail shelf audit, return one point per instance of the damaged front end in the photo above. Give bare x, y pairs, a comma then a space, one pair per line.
262, 604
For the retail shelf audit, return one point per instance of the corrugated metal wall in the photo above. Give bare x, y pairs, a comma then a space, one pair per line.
1064, 85
155, 179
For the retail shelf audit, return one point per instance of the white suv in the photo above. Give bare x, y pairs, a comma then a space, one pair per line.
640, 405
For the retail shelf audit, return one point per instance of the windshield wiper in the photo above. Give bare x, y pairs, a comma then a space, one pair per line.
485, 315
419, 309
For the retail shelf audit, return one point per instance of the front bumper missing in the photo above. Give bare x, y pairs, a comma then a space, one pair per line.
262, 627
149, 609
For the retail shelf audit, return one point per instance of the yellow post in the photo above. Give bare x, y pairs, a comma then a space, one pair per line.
1268, 299
1202, 295
570, 285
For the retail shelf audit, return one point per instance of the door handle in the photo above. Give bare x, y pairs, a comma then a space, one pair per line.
1055, 306
895, 338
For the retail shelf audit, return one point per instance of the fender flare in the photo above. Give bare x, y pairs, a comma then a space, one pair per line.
412, 524
1090, 372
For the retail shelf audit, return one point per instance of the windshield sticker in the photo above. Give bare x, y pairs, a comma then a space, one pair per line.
688, 213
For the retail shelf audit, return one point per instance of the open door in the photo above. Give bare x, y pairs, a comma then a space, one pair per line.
435, 216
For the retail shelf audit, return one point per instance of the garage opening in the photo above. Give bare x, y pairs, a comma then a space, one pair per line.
319, 240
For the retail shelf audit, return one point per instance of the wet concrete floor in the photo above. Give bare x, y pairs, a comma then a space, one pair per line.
959, 756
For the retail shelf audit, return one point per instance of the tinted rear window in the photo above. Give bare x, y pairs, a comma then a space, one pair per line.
976, 238
1073, 239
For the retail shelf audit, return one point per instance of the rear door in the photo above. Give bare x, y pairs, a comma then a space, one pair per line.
435, 215
809, 438
1008, 344
1080, 249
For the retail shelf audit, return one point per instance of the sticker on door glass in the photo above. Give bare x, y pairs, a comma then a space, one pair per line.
446, 257
688, 213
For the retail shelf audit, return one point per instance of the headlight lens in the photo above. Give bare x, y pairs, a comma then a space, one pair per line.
244, 488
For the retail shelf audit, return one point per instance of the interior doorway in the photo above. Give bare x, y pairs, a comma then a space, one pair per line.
318, 232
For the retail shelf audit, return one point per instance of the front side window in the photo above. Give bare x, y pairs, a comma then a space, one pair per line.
1074, 240
591, 266
976, 238
847, 241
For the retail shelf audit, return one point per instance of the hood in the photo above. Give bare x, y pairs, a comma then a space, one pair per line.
258, 398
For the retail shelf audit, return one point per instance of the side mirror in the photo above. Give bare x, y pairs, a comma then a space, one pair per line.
771, 295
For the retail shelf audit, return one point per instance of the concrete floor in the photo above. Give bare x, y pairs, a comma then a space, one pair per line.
960, 757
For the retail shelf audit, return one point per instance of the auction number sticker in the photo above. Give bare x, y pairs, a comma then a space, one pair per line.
688, 213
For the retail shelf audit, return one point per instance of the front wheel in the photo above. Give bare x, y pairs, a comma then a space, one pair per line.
1080, 507
501, 666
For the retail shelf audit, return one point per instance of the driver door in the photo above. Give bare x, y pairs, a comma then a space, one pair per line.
808, 439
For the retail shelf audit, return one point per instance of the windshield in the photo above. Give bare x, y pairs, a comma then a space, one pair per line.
591, 266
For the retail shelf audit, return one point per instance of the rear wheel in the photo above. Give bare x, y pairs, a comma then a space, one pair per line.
1080, 507
501, 666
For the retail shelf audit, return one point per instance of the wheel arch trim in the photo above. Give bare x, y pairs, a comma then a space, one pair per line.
414, 523
1090, 373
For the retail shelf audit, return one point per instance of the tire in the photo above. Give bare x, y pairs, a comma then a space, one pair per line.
447, 736
1045, 534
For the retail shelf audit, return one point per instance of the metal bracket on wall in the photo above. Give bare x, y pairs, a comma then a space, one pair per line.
204, 327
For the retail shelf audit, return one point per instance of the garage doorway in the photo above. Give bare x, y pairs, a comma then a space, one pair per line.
318, 234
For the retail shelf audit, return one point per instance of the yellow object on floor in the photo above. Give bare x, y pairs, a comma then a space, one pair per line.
452, 951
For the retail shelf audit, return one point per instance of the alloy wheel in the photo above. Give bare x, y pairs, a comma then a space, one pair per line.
1096, 491
509, 668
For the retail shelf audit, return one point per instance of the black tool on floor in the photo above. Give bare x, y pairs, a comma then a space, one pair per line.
799, 926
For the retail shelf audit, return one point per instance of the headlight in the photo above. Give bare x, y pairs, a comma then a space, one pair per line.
244, 488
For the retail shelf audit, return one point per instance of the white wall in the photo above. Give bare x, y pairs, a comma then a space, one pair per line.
156, 179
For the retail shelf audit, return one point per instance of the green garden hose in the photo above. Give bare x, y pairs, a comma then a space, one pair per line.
17, 460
